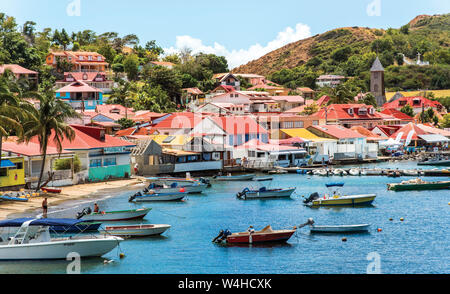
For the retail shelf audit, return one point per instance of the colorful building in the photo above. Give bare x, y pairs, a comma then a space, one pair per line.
12, 173
97, 80
81, 96
81, 61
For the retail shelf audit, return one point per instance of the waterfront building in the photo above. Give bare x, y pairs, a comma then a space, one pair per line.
415, 136
12, 173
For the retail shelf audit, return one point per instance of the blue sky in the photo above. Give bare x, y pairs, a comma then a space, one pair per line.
241, 30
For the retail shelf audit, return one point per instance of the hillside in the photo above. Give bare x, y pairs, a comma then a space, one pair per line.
320, 48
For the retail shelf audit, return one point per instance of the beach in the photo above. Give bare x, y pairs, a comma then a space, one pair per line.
69, 193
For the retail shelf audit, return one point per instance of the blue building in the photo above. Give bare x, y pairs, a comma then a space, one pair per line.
81, 96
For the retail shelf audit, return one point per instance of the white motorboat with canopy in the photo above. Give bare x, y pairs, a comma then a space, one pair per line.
32, 241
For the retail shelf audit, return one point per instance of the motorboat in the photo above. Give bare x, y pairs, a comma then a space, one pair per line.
418, 184
339, 172
435, 161
336, 199
229, 177
411, 172
265, 193
194, 188
88, 215
136, 230
354, 172
156, 196
187, 181
9, 197
266, 235
321, 172
374, 172
32, 241
263, 179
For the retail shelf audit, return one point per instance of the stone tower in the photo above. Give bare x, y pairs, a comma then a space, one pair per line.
377, 82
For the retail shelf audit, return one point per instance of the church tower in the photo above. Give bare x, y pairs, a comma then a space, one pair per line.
377, 82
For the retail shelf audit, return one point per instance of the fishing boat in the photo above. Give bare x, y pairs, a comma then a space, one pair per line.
179, 181
411, 172
263, 179
155, 196
32, 241
235, 178
265, 193
78, 228
340, 228
51, 190
88, 215
195, 188
266, 235
336, 199
418, 184
437, 173
136, 230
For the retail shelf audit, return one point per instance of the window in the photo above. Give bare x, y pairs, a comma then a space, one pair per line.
288, 125
315, 122
3, 172
299, 124
95, 163
81, 57
89, 57
109, 161
350, 111
99, 58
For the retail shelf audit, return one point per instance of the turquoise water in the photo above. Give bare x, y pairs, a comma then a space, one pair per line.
419, 244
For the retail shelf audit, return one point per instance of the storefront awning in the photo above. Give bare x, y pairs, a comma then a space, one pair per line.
434, 138
7, 163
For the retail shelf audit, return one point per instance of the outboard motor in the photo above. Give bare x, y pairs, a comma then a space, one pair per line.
205, 181
310, 222
222, 237
311, 198
132, 197
84, 212
243, 194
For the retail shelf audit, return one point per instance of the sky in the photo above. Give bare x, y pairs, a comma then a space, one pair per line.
241, 30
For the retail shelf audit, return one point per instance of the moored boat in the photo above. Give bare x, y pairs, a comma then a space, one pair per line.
194, 188
32, 241
235, 178
340, 228
265, 193
436, 162
418, 184
266, 235
136, 230
77, 228
155, 196
51, 190
13, 198
88, 215
263, 179
336, 199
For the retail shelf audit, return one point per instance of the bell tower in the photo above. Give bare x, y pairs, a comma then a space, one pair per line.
377, 82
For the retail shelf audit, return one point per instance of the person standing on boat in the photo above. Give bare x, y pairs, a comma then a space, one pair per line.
96, 208
44, 208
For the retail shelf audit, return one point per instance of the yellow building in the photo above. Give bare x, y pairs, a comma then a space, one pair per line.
12, 173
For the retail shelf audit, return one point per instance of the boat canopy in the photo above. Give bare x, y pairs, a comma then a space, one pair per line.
334, 185
39, 222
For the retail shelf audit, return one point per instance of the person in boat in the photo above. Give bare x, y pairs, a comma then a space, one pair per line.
251, 230
96, 208
44, 208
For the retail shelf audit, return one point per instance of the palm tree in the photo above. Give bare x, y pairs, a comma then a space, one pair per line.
121, 95
341, 95
49, 121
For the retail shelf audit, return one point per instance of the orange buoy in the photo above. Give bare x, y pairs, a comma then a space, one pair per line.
182, 190
379, 230
401, 219
344, 239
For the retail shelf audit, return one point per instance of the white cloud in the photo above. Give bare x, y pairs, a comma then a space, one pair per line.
242, 56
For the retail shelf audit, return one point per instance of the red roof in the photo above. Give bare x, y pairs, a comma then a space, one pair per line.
323, 100
415, 102
342, 111
397, 114
16, 69
180, 120
387, 130
408, 129
136, 131
28, 149
148, 116
239, 125
366, 133
337, 131
227, 89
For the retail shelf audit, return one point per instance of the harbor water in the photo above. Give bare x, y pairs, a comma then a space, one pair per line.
420, 244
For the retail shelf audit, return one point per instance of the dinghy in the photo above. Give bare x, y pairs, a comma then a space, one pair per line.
32, 241
235, 178
155, 196
265, 193
194, 188
340, 228
419, 185
88, 215
266, 235
51, 190
263, 179
354, 172
12, 198
136, 230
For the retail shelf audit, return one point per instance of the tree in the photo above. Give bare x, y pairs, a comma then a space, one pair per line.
152, 98
131, 66
49, 123
310, 109
125, 123
341, 95
408, 110
369, 99
445, 122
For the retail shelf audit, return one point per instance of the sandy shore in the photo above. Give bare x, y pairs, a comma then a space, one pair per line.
68, 194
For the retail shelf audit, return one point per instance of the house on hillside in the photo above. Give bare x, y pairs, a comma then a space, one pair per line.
81, 96
81, 61
417, 103
20, 72
329, 80
227, 79
168, 65
349, 115
306, 92
97, 80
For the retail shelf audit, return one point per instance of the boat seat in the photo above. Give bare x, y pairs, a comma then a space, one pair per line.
267, 229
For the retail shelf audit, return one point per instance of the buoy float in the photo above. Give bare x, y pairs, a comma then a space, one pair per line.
401, 219
121, 255
344, 239
379, 230
182, 190
391, 219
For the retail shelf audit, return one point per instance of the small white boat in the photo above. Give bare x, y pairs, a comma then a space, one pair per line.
195, 188
321, 172
263, 179
154, 196
339, 229
88, 215
339, 172
32, 241
373, 172
354, 172
412, 172
136, 230
336, 199
235, 178
265, 193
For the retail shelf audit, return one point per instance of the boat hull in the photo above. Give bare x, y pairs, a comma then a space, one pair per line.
117, 215
355, 200
136, 231
436, 163
270, 194
246, 238
193, 189
236, 178
340, 229
52, 190
160, 197
59, 249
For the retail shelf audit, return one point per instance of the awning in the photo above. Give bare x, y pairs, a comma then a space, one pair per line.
7, 163
40, 222
434, 138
